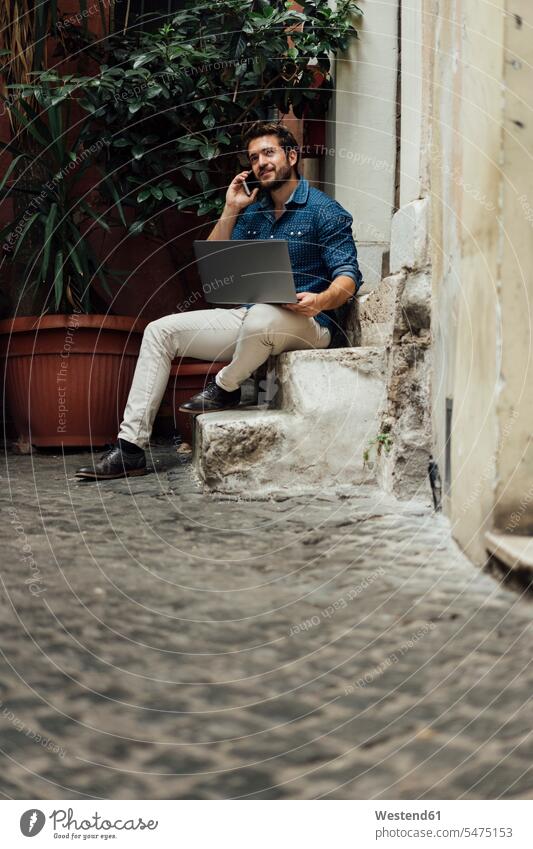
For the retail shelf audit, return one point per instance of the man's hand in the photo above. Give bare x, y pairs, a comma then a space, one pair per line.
308, 304
337, 293
236, 197
236, 201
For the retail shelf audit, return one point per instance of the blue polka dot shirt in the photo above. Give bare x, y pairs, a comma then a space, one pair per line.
319, 235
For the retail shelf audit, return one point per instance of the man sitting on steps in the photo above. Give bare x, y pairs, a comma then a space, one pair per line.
326, 274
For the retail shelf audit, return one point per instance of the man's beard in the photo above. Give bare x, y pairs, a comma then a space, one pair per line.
284, 173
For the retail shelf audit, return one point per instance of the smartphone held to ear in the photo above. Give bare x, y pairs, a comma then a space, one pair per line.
250, 183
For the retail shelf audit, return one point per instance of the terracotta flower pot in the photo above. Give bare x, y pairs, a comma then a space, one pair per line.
67, 377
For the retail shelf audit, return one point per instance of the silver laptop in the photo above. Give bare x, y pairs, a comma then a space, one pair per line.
246, 271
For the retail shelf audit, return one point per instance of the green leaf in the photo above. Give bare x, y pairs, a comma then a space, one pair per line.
209, 120
171, 193
238, 45
187, 202
48, 232
12, 165
157, 193
204, 208
189, 144
208, 151
92, 214
141, 60
58, 278
153, 91
203, 180
114, 194
137, 227
9, 147
176, 50
35, 126
73, 256
144, 195
39, 33
58, 98
24, 231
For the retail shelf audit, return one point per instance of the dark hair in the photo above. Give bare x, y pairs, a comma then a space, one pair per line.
272, 128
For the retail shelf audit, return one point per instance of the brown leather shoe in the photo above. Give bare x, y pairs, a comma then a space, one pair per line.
115, 463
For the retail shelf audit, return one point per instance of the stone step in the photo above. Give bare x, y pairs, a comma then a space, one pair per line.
514, 550
326, 410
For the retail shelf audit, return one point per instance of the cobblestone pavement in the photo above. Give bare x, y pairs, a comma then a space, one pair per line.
159, 642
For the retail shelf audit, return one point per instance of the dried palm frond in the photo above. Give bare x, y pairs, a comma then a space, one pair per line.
24, 30
17, 34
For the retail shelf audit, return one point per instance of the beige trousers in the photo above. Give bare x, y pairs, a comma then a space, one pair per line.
247, 337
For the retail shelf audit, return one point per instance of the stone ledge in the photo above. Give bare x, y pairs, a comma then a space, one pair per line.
315, 379
515, 551
233, 447
329, 409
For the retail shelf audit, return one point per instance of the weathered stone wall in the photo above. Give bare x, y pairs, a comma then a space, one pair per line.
396, 312
397, 315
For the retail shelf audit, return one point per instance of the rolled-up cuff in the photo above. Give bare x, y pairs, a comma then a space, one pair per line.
348, 271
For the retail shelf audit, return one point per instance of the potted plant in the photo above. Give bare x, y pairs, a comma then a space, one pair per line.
171, 101
161, 119
68, 368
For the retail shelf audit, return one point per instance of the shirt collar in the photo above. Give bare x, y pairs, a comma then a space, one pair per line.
299, 195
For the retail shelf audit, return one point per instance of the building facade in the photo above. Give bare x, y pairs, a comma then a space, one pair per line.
432, 134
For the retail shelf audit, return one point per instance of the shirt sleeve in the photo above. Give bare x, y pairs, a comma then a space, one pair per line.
337, 244
241, 226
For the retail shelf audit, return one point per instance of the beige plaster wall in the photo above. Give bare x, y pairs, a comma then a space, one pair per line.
466, 147
514, 488
362, 133
481, 237
465, 188
412, 117
475, 428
